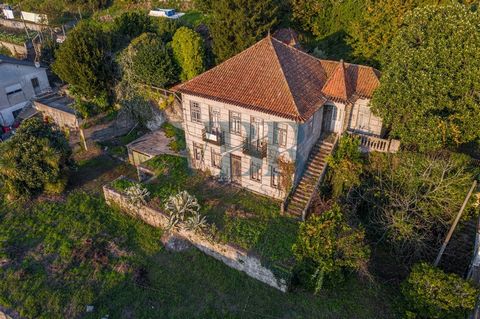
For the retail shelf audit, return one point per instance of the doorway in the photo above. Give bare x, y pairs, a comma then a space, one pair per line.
236, 169
329, 118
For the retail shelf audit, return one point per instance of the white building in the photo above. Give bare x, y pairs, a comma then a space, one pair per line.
20, 81
272, 104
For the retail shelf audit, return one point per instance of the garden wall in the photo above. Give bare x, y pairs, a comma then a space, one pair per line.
18, 50
231, 256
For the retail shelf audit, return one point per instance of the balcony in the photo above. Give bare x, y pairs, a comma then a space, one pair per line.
256, 148
213, 136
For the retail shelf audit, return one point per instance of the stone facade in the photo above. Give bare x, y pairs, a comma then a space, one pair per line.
231, 256
210, 132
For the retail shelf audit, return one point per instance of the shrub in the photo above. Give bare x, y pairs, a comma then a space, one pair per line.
189, 52
35, 159
328, 243
431, 293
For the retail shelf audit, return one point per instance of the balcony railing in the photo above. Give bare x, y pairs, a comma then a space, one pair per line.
213, 136
255, 148
376, 144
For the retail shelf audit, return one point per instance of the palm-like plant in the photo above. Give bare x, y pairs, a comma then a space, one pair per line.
137, 195
180, 208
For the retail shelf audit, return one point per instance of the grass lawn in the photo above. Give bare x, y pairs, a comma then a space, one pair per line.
56, 258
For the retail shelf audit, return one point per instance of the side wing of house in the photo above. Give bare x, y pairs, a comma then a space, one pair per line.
237, 144
363, 121
18, 84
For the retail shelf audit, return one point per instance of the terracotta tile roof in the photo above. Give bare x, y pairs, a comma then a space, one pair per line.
275, 78
287, 36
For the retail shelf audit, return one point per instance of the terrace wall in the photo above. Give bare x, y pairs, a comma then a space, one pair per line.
19, 50
231, 256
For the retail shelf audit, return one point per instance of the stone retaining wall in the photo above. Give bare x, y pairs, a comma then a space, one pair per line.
231, 256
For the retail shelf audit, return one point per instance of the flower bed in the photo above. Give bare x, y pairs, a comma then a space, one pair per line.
245, 220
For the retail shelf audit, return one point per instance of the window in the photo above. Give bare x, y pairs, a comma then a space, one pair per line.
256, 171
216, 159
195, 112
214, 117
235, 123
197, 151
275, 179
35, 83
280, 134
12, 89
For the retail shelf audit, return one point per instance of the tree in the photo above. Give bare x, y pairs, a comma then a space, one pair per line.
84, 61
148, 61
413, 198
329, 243
34, 160
189, 53
429, 93
132, 24
326, 17
237, 24
431, 293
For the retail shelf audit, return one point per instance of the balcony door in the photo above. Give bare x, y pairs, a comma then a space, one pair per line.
236, 169
214, 119
256, 131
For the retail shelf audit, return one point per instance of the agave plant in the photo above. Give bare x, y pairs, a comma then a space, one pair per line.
180, 207
137, 195
195, 222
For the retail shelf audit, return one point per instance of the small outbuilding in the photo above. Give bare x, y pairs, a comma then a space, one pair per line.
149, 146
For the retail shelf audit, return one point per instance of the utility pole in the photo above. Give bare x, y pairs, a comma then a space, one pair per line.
454, 225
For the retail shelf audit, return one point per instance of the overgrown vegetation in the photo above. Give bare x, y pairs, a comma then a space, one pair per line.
13, 37
178, 143
431, 293
34, 160
427, 96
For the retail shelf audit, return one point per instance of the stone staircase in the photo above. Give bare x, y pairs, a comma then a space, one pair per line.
300, 198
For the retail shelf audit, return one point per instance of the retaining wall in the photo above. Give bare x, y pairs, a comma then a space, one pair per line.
231, 256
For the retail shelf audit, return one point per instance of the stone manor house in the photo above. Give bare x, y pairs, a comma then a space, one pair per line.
273, 104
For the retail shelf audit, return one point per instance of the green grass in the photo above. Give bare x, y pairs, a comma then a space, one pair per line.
193, 18
249, 221
178, 143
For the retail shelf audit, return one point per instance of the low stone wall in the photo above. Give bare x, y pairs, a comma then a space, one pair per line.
231, 256
18, 50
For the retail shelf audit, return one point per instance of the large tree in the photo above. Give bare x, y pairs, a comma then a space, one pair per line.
147, 60
411, 199
237, 24
34, 160
84, 61
429, 94
189, 52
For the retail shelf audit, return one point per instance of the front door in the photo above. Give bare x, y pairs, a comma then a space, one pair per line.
328, 120
236, 169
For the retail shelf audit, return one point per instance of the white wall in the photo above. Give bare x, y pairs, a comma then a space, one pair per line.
233, 143
363, 120
12, 74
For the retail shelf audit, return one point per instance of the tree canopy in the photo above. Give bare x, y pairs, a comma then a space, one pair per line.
84, 61
429, 94
413, 198
149, 61
431, 293
332, 245
189, 52
34, 160
237, 24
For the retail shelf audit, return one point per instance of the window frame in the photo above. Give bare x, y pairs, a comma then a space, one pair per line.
214, 163
256, 171
275, 174
195, 112
238, 117
279, 131
197, 147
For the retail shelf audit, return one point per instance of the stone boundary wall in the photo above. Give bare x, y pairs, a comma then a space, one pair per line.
16, 49
231, 256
